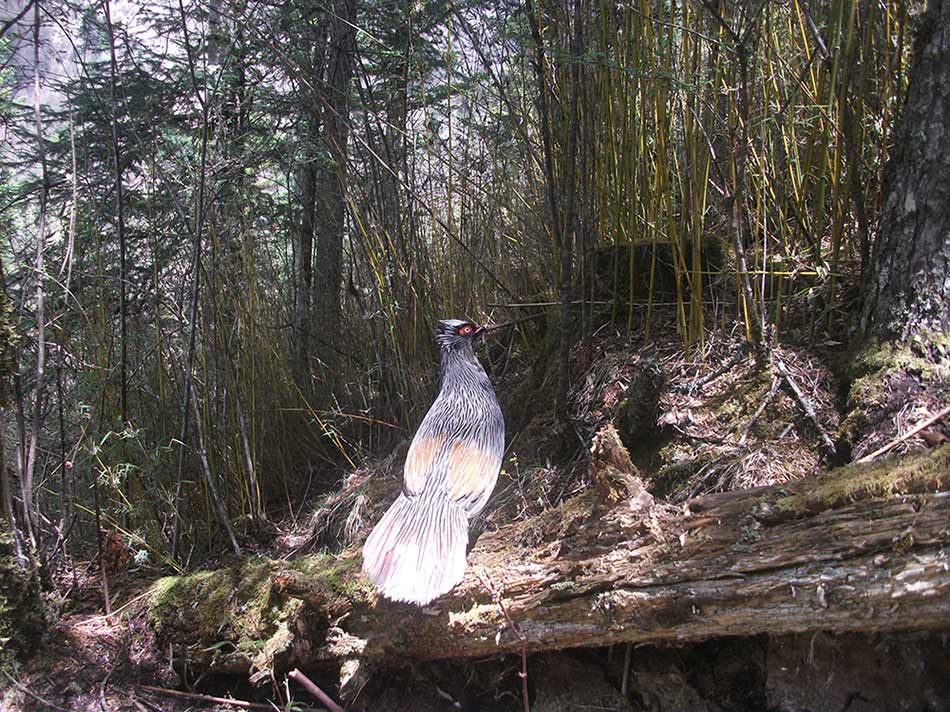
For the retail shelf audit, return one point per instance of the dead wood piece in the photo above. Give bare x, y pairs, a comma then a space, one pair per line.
806, 407
697, 385
776, 382
872, 559
864, 548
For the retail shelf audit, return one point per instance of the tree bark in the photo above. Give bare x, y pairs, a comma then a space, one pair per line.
322, 185
908, 290
864, 548
307, 187
331, 206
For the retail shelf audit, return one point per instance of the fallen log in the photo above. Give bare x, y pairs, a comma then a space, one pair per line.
863, 548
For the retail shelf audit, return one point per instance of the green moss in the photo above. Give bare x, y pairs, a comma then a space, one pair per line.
869, 367
241, 610
217, 612
208, 606
566, 586
22, 613
877, 371
342, 575
920, 472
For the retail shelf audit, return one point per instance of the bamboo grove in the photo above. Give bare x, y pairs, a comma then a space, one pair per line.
229, 226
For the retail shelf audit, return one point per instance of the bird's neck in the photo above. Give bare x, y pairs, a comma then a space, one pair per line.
460, 367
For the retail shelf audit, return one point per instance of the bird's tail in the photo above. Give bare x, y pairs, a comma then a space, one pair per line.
417, 550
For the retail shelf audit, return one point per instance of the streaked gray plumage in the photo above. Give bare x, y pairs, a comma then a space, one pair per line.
417, 551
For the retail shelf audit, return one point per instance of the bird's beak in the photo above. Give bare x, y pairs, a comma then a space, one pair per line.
492, 327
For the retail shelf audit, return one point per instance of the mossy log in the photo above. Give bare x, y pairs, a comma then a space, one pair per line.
863, 548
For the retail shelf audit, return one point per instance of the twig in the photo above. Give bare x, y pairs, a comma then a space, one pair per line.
308, 684
776, 382
627, 658
528, 305
805, 406
144, 705
496, 596
906, 436
695, 386
243, 704
27, 691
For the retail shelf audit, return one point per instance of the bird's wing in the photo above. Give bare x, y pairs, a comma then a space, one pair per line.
466, 467
423, 451
472, 468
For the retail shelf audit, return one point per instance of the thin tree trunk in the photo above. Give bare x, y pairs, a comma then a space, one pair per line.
6, 369
195, 287
547, 145
217, 503
120, 226
740, 136
307, 186
570, 210
39, 271
742, 37
66, 497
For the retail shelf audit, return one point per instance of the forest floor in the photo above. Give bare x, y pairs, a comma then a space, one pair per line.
698, 424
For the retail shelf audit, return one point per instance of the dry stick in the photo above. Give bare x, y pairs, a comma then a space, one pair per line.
217, 502
525, 305
27, 691
496, 595
13, 20
728, 366
776, 382
906, 436
295, 674
805, 406
524, 652
209, 698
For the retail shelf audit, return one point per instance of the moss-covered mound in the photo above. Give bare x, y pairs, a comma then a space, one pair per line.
891, 387
21, 608
253, 615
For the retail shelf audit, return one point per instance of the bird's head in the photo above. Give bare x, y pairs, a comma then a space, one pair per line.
454, 334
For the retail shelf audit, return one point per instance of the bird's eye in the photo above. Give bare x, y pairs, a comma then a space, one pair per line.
465, 330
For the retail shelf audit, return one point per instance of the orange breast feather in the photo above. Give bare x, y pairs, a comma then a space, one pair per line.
471, 470
421, 454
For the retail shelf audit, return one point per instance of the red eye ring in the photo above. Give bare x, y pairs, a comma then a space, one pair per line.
465, 330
